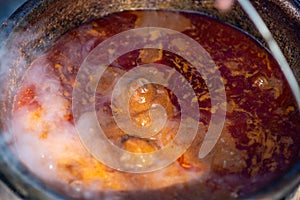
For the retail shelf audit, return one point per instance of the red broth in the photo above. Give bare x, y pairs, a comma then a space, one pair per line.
259, 142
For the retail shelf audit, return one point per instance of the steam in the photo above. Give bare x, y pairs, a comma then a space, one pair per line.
13, 55
30, 125
6, 59
48, 144
24, 130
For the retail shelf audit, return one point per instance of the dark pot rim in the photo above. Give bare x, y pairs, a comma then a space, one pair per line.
26, 185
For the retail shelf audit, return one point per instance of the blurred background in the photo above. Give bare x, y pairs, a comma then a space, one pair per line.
7, 7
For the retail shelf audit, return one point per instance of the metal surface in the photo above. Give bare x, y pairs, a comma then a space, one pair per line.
276, 51
278, 15
7, 7
6, 193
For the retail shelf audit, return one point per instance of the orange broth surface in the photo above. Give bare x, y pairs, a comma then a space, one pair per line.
260, 139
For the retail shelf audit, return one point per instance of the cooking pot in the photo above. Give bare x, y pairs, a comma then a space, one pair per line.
39, 23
